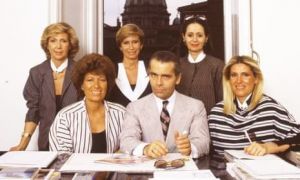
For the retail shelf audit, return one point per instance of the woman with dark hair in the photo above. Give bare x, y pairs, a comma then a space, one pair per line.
49, 87
201, 73
132, 81
92, 124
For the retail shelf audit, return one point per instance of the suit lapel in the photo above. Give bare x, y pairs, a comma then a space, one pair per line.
177, 122
152, 113
67, 79
48, 78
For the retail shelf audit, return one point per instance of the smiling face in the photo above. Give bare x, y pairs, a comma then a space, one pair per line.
242, 80
195, 38
58, 46
163, 78
94, 87
131, 47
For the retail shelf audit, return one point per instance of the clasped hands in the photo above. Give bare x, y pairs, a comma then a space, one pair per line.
158, 149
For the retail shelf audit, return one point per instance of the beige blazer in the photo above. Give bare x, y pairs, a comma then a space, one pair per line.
142, 123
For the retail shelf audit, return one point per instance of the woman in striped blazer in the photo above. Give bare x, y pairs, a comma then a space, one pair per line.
246, 111
93, 124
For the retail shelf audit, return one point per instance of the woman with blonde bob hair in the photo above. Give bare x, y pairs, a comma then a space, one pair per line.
247, 115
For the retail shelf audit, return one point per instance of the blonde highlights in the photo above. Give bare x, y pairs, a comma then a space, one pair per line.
58, 28
228, 94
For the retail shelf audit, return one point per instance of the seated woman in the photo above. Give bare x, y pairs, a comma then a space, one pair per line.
93, 124
246, 108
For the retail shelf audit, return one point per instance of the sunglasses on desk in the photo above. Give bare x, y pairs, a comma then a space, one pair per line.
163, 164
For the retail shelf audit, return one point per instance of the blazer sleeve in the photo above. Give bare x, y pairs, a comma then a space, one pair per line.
59, 135
130, 136
199, 134
31, 94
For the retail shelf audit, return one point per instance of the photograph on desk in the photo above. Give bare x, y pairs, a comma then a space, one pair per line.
125, 159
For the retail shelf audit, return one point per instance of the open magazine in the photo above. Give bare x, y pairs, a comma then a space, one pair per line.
123, 159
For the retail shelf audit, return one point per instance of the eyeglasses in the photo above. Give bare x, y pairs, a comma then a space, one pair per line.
189, 17
163, 164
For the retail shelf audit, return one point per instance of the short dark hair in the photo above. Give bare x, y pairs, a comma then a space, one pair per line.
93, 63
165, 57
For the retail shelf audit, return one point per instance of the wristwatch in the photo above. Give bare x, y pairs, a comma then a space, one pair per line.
26, 135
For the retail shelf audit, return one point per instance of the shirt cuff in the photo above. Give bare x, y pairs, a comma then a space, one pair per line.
194, 151
139, 149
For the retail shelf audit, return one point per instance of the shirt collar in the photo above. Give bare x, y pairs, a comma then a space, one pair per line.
59, 69
170, 105
199, 58
244, 106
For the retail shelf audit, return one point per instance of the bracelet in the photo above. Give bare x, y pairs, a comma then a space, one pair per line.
26, 135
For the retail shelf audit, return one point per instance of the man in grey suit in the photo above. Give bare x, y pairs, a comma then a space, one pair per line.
153, 129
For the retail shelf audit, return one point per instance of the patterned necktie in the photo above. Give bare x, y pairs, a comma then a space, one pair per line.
165, 118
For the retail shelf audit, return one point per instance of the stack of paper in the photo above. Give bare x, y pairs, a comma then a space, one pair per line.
267, 169
231, 155
39, 159
261, 167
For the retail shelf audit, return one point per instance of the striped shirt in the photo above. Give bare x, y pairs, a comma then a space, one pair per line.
71, 132
268, 121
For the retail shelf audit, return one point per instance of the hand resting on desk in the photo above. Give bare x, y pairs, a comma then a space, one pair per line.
260, 149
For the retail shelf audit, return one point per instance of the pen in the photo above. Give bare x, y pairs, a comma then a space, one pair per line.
247, 135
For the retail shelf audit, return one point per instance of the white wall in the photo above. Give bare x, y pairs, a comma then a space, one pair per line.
276, 38
22, 23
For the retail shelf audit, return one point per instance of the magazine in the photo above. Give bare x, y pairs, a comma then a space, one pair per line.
123, 159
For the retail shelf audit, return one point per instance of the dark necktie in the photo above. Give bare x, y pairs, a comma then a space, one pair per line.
165, 118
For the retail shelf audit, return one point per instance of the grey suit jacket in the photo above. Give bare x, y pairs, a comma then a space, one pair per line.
142, 123
41, 101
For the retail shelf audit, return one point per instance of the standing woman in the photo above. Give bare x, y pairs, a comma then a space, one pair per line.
201, 73
92, 124
49, 87
132, 81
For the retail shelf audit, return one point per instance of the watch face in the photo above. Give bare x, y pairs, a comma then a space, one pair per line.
26, 135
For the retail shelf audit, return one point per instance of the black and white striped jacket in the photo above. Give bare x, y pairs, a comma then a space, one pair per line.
71, 132
268, 121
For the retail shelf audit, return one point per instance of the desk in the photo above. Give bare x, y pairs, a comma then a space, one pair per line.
206, 162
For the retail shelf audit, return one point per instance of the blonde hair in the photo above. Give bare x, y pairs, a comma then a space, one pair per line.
58, 28
129, 30
229, 96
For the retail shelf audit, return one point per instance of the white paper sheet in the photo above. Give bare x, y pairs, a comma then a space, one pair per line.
87, 163
186, 175
27, 159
